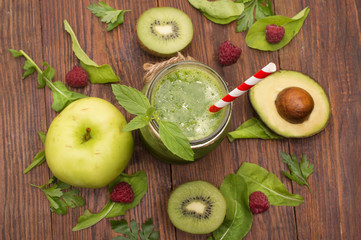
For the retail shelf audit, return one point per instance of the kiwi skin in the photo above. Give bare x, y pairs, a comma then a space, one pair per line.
189, 219
158, 54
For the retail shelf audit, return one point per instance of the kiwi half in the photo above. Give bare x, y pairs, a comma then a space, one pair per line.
197, 207
164, 31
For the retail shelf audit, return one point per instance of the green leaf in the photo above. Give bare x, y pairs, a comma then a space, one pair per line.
299, 172
132, 232
42, 136
138, 181
221, 11
254, 9
252, 128
72, 199
259, 179
256, 36
175, 140
89, 219
239, 218
61, 95
136, 123
132, 100
97, 74
107, 14
37, 161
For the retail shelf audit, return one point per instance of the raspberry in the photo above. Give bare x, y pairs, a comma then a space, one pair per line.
123, 193
77, 77
228, 53
258, 202
274, 33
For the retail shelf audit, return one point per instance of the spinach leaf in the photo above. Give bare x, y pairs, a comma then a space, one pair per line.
252, 128
239, 218
62, 97
259, 179
138, 182
256, 36
221, 11
97, 74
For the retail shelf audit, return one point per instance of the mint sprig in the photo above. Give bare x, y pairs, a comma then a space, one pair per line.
299, 172
60, 199
138, 104
113, 17
132, 231
62, 97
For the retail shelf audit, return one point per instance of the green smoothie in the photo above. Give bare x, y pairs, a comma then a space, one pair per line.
182, 93
183, 97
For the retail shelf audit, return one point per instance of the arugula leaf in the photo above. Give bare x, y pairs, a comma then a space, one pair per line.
239, 218
39, 157
132, 232
107, 14
97, 74
221, 11
62, 97
58, 198
299, 172
254, 9
256, 36
252, 128
138, 181
134, 101
259, 179
175, 140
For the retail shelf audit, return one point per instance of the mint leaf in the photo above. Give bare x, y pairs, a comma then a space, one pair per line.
259, 179
252, 128
132, 100
138, 182
175, 140
107, 14
62, 97
132, 232
299, 172
59, 199
254, 9
256, 36
136, 123
97, 74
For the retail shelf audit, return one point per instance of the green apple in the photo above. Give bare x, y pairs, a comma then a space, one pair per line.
85, 145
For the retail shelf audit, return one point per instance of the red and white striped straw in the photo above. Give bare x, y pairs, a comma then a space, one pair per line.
244, 87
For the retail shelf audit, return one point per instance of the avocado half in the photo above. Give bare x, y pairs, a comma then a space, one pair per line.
263, 98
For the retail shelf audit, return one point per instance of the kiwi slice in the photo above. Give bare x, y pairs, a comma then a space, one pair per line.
197, 207
164, 31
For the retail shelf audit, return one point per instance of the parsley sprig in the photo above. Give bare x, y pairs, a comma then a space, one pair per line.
132, 232
60, 199
138, 104
253, 9
113, 17
299, 172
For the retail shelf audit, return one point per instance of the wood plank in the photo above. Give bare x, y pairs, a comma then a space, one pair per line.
328, 50
23, 113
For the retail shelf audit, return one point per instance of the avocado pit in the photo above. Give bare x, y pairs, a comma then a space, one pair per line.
294, 104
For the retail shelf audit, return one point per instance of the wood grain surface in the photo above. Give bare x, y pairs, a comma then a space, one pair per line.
327, 48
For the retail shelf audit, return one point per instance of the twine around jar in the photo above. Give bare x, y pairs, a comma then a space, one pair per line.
153, 69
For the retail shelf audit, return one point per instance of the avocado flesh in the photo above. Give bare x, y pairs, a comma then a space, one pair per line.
263, 95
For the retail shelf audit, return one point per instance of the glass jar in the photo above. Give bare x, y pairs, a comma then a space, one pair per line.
181, 91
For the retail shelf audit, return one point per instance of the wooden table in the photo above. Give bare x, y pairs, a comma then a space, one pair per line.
327, 48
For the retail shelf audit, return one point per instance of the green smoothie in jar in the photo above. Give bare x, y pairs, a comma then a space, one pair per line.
182, 94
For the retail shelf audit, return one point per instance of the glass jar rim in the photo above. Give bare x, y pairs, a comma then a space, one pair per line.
228, 108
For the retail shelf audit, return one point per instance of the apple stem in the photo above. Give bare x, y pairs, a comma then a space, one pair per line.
87, 135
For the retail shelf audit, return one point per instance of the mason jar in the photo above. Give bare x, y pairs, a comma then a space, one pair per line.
182, 93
